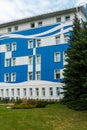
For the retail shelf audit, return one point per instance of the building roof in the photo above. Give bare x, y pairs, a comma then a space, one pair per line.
42, 16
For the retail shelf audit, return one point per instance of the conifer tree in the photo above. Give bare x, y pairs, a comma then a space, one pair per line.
75, 71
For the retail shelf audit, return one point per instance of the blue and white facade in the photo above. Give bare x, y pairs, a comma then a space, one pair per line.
32, 55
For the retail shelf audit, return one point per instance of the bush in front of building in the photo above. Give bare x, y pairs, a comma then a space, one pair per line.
41, 104
22, 106
30, 103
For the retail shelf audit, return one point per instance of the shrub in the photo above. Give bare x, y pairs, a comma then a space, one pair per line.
22, 106
41, 104
18, 101
30, 103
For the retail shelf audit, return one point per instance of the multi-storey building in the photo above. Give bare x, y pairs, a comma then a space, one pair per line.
32, 54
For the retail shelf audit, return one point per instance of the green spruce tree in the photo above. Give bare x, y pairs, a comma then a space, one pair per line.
75, 71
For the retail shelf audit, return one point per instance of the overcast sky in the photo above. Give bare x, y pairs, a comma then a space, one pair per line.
16, 9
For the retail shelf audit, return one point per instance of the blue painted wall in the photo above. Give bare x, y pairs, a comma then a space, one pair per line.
47, 55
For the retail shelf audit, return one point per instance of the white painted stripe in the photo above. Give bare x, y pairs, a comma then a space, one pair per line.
34, 51
2, 48
37, 35
8, 55
21, 60
30, 68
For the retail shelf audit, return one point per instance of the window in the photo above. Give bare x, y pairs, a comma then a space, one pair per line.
30, 76
58, 39
51, 91
65, 56
16, 28
9, 29
12, 92
7, 47
67, 18
18, 92
58, 19
39, 23
2, 92
24, 91
6, 77
30, 44
57, 57
13, 61
38, 75
13, 77
30, 60
7, 92
66, 37
43, 92
57, 91
38, 59
32, 25
30, 91
14, 46
37, 91
38, 42
6, 62
57, 74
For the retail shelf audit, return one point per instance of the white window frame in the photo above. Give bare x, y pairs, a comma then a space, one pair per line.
38, 75
18, 92
14, 46
51, 91
13, 61
30, 75
37, 91
57, 91
7, 62
65, 56
55, 74
38, 43
43, 91
12, 92
67, 18
30, 60
6, 76
40, 23
9, 29
58, 39
30, 44
7, 92
57, 56
13, 77
7, 47
66, 38
25, 92
15, 28
30, 91
58, 19
38, 59
2, 92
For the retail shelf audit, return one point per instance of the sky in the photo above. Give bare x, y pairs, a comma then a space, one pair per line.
11, 10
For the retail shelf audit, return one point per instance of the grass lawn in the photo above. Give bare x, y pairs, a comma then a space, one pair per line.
53, 117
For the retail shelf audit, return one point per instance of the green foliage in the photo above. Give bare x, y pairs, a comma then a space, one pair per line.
41, 104
75, 71
28, 104
22, 106
18, 101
